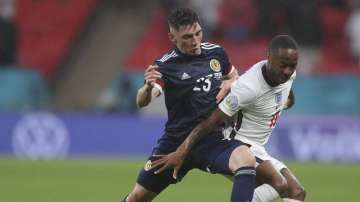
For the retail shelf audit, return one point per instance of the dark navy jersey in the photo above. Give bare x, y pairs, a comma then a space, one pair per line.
190, 85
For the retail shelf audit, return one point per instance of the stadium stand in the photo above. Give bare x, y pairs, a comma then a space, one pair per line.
48, 28
245, 52
331, 69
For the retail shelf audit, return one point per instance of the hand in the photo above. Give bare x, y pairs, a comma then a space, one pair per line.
224, 89
151, 75
171, 160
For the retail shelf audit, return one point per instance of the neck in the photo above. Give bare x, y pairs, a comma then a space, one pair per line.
267, 76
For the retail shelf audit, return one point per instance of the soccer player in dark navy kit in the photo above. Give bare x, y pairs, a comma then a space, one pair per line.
191, 76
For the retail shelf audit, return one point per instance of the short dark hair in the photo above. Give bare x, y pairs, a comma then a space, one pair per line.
182, 17
282, 41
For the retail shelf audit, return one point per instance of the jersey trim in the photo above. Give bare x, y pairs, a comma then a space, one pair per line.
168, 56
231, 70
209, 46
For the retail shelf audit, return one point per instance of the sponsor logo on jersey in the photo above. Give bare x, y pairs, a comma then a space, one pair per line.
215, 65
185, 76
232, 102
218, 75
147, 166
278, 98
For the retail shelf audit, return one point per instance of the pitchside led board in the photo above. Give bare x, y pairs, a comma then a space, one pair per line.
46, 135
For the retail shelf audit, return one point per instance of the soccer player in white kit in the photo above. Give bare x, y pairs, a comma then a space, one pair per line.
258, 98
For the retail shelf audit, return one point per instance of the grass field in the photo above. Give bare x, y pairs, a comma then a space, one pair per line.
94, 180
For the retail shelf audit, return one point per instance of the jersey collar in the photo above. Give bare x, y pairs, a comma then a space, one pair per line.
189, 56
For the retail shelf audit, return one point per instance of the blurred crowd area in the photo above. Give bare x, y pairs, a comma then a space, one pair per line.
37, 37
325, 29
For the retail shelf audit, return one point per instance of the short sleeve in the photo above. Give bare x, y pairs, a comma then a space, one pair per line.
159, 83
239, 97
225, 63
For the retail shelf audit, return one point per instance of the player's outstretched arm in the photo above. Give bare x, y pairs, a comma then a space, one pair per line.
176, 159
147, 92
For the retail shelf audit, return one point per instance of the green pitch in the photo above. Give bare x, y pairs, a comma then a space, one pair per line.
94, 180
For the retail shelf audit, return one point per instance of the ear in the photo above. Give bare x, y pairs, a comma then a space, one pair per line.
172, 37
269, 56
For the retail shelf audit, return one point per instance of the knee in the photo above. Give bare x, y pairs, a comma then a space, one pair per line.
298, 193
241, 157
280, 185
138, 196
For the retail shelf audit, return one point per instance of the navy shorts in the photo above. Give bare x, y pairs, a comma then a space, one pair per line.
211, 155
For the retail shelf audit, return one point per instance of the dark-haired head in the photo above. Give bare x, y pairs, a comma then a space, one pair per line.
182, 17
185, 31
282, 59
282, 41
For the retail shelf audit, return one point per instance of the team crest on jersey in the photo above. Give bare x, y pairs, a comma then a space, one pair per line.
278, 98
147, 166
215, 65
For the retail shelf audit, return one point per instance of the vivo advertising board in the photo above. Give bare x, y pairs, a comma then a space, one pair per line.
46, 135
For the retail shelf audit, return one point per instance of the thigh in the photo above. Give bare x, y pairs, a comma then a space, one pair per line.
158, 182
260, 153
213, 154
140, 193
267, 173
154, 182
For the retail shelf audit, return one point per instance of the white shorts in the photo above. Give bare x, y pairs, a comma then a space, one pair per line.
261, 154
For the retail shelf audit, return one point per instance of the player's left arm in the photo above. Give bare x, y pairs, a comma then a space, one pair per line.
290, 101
176, 159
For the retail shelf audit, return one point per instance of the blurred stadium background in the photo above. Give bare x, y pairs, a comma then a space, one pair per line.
69, 70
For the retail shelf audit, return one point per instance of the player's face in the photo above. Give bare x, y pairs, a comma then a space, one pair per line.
187, 39
282, 64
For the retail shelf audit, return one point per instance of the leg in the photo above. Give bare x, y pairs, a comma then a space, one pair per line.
140, 194
268, 176
266, 173
265, 193
149, 184
295, 190
228, 157
242, 164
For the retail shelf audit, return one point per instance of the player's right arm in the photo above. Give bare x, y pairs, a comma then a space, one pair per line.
147, 92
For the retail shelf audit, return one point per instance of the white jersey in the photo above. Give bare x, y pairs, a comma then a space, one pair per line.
259, 103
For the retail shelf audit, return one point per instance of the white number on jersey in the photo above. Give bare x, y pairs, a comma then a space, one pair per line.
206, 86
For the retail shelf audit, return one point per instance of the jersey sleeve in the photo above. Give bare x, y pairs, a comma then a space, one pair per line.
293, 76
240, 96
225, 63
160, 83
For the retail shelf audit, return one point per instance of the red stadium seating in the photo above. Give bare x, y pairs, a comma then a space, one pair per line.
153, 43
46, 29
335, 56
